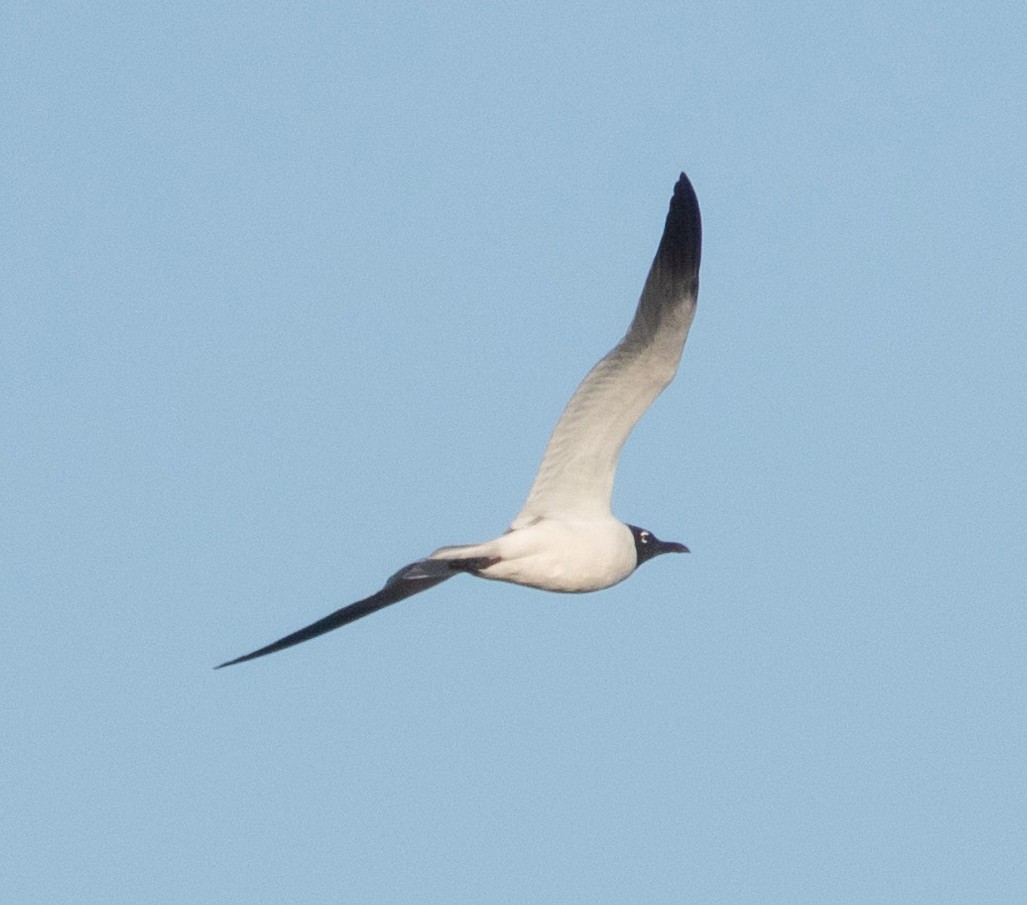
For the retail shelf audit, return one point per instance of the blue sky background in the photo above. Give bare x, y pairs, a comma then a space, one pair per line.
293, 294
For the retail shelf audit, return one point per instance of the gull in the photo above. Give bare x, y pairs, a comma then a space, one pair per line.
566, 538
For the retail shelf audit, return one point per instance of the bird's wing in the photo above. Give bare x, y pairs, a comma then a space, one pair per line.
412, 579
576, 474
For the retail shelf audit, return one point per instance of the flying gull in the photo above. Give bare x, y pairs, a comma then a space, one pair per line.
566, 538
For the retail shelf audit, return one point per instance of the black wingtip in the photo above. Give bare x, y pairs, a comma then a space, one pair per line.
397, 588
681, 246
253, 656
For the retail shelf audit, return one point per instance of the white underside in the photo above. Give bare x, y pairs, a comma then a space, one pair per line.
565, 538
552, 554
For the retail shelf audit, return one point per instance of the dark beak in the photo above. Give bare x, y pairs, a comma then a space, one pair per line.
669, 546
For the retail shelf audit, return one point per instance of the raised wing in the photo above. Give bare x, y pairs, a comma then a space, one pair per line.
577, 470
410, 580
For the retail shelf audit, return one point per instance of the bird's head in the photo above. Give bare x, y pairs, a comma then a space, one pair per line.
648, 545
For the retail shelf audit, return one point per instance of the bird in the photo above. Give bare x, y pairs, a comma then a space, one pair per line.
566, 538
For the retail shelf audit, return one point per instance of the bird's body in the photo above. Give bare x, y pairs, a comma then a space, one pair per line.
556, 554
565, 538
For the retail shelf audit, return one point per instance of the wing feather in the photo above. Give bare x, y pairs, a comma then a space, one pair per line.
405, 583
578, 467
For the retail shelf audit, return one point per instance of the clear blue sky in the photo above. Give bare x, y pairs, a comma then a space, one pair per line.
293, 294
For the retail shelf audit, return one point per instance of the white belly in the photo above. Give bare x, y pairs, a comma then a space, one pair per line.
569, 556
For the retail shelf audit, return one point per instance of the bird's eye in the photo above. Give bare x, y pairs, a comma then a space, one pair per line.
644, 537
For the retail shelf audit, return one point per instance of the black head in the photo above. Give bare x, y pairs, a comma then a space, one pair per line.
648, 545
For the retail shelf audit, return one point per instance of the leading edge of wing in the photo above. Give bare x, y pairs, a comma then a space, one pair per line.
397, 588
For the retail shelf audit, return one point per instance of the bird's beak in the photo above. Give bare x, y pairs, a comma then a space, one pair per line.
669, 546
